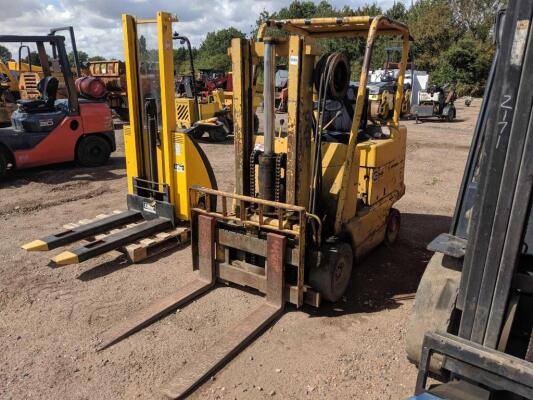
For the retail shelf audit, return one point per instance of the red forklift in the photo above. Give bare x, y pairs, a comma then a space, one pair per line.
49, 130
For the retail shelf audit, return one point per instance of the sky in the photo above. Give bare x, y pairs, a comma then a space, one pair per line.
97, 23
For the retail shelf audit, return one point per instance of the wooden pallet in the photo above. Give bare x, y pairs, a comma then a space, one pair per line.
157, 244
145, 248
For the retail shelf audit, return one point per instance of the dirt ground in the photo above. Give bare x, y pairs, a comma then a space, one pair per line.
50, 318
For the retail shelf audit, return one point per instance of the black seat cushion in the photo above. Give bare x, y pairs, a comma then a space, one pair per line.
37, 121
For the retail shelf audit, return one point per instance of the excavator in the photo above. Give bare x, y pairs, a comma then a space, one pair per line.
307, 203
471, 331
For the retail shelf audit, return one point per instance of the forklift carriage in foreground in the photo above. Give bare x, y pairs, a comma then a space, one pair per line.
472, 323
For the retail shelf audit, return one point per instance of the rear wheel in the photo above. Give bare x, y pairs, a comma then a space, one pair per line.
332, 276
93, 151
393, 226
451, 115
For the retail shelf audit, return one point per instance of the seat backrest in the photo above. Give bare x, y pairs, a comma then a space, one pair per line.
48, 89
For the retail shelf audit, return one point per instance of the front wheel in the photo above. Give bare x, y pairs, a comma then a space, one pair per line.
93, 151
332, 276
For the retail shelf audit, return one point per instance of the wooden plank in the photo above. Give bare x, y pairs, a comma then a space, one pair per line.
157, 244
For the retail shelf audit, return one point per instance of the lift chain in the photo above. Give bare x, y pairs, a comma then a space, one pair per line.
280, 164
253, 161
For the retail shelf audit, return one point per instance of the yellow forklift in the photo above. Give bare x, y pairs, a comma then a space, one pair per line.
202, 114
162, 162
307, 203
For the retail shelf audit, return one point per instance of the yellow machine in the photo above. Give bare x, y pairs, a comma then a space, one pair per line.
199, 114
306, 203
9, 94
162, 161
205, 115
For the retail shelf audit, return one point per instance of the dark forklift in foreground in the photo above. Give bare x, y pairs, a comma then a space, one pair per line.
471, 329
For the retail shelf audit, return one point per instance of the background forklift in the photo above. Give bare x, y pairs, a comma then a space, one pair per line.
46, 130
162, 161
199, 114
306, 204
472, 323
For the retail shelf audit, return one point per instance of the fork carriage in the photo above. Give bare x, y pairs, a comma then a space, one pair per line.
241, 240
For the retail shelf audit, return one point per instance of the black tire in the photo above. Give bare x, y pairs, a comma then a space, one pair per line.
451, 115
4, 160
434, 305
197, 133
218, 135
93, 151
393, 227
332, 276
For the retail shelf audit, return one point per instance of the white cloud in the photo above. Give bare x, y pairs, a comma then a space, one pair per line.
97, 23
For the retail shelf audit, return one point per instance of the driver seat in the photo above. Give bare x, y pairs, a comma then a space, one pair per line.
48, 89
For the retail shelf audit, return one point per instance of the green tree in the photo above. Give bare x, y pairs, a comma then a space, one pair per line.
213, 50
33, 58
96, 58
431, 23
476, 16
465, 64
5, 54
398, 12
181, 59
83, 57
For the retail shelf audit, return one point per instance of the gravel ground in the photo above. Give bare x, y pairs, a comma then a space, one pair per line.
50, 318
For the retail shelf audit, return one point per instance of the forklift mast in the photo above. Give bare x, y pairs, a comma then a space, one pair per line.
70, 31
486, 345
57, 43
162, 161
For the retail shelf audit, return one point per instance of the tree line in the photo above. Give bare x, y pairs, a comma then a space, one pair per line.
453, 39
